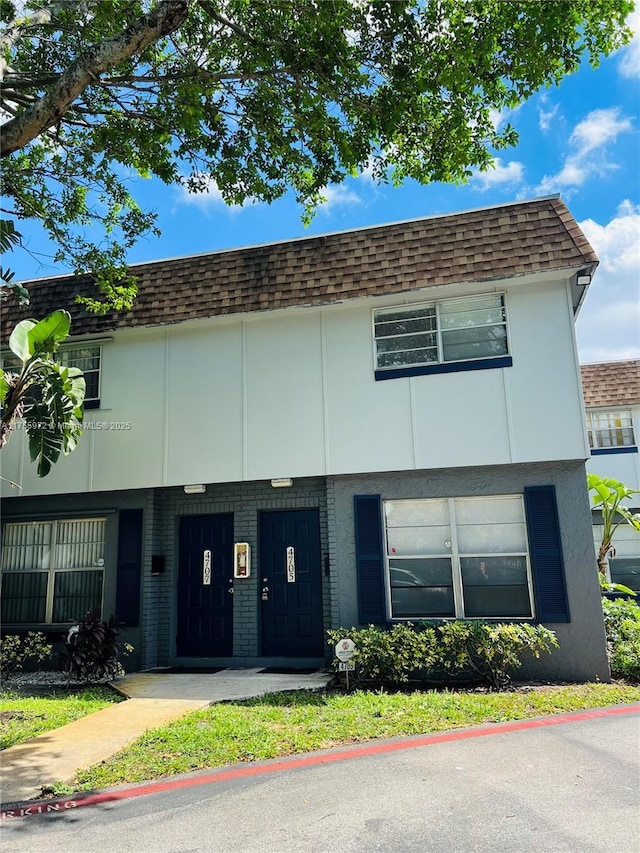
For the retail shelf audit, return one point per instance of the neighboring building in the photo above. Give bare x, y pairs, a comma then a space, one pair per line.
390, 418
612, 402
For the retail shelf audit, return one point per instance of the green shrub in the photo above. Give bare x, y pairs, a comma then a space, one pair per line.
18, 651
622, 625
617, 611
624, 657
488, 651
389, 656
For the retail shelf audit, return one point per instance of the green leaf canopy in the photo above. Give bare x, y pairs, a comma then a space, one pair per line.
258, 97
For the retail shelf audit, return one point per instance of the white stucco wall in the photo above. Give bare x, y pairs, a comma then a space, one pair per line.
292, 393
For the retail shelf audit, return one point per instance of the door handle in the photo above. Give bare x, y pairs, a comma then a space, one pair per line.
231, 590
265, 593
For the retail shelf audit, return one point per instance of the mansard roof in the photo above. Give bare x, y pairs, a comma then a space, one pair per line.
480, 245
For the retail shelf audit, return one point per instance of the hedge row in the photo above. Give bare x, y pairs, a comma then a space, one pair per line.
455, 650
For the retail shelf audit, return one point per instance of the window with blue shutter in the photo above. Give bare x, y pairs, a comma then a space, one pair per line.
464, 558
546, 554
369, 560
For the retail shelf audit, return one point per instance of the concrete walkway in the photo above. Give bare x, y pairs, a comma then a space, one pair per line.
153, 699
224, 686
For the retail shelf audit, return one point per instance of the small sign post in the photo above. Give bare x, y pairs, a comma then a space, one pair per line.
344, 652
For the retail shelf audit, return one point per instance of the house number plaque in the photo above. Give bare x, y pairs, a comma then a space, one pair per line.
291, 565
206, 568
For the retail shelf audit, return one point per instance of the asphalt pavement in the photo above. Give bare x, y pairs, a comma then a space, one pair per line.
568, 784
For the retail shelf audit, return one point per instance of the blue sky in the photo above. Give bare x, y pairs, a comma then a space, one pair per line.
581, 140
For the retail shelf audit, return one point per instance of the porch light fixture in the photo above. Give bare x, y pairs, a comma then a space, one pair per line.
282, 482
195, 489
583, 280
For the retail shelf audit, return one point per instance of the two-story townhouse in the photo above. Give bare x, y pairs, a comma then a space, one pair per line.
612, 405
369, 426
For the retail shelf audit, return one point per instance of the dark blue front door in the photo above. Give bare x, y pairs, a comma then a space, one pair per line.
290, 583
205, 585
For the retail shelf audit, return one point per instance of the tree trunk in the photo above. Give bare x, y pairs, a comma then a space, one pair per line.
13, 409
603, 563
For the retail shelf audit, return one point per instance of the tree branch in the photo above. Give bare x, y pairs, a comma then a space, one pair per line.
166, 17
14, 81
210, 9
16, 28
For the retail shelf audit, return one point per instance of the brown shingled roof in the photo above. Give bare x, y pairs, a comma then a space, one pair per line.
490, 243
611, 384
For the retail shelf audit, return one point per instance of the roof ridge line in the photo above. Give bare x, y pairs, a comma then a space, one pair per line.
358, 229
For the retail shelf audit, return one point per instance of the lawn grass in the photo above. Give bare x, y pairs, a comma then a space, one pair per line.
25, 717
285, 724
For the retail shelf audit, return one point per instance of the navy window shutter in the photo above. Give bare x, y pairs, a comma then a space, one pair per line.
369, 560
547, 563
129, 567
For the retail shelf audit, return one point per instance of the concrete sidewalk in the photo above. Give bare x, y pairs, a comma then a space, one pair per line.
153, 699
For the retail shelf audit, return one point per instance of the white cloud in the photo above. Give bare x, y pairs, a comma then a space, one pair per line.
546, 117
608, 326
496, 117
500, 175
572, 174
598, 129
630, 55
210, 197
589, 140
367, 173
617, 244
336, 195
500, 117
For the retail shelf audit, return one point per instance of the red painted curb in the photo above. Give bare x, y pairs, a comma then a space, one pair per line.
277, 765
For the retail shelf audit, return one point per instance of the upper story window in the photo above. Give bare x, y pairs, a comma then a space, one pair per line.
86, 357
52, 571
430, 338
611, 430
457, 557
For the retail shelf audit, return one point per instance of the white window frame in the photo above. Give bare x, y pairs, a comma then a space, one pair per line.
436, 304
593, 431
11, 363
93, 402
52, 569
456, 570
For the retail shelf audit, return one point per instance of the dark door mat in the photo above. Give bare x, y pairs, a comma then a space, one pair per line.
187, 670
288, 670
